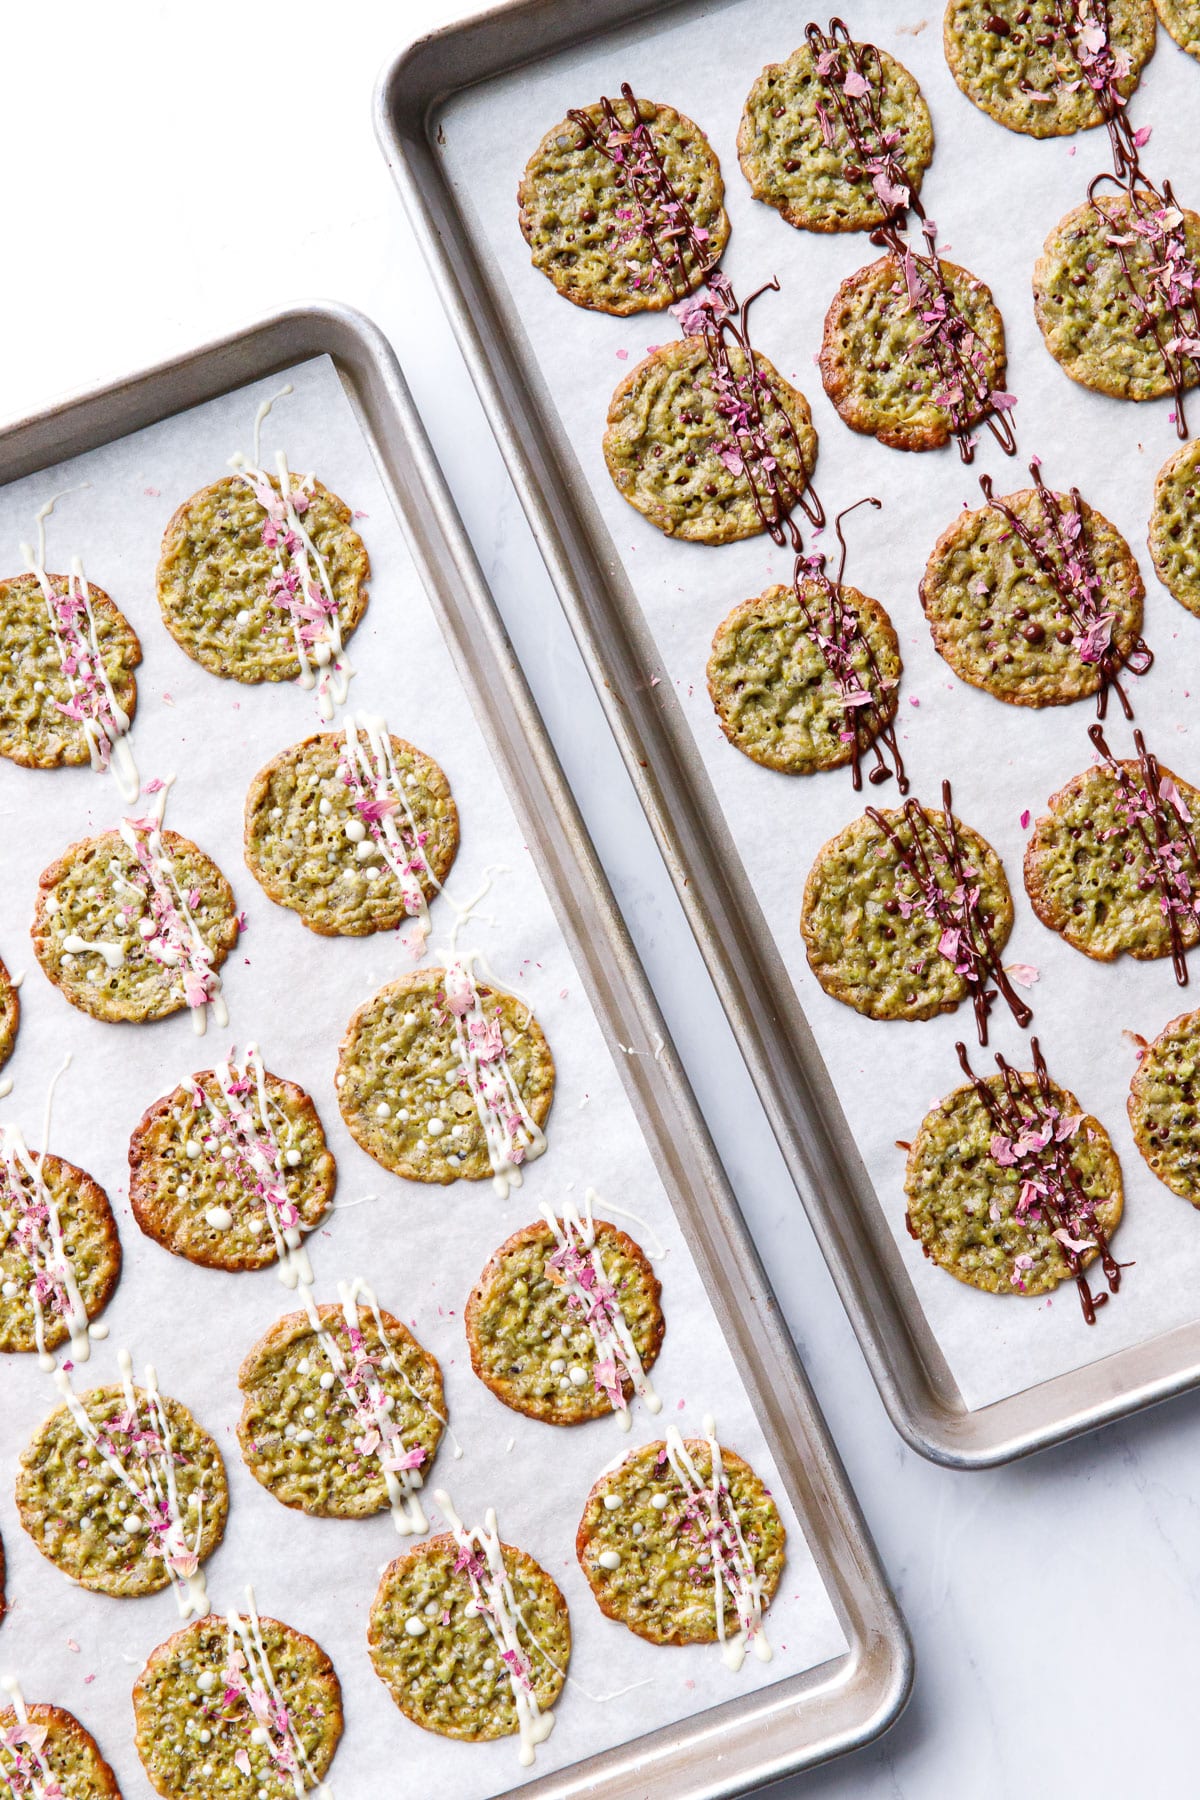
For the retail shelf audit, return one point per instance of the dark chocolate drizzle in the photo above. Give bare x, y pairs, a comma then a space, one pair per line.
664, 218
973, 943
837, 636
1061, 1192
1064, 555
1099, 70
948, 338
1151, 815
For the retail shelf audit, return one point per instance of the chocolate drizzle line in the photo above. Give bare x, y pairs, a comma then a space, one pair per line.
837, 638
948, 338
1149, 813
1099, 70
963, 918
1064, 555
663, 216
1058, 1186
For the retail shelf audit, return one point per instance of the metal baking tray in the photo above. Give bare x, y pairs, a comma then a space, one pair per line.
848, 1700
913, 1377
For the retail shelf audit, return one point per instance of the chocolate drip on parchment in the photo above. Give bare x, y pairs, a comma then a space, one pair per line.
949, 340
1064, 555
1046, 1168
967, 935
1151, 814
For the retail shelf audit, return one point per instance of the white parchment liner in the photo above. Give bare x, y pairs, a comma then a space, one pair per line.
995, 196
422, 1247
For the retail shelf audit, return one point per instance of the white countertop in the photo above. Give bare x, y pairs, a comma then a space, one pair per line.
161, 189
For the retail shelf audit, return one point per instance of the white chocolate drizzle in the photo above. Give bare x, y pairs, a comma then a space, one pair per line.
709, 1508
169, 933
240, 1121
300, 585
379, 1435
23, 1766
481, 1560
578, 1266
29, 1218
248, 1675
151, 1481
92, 704
377, 795
511, 1135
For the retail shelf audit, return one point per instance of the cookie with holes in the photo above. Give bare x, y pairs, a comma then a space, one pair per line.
971, 1205
124, 1492
45, 1750
819, 131
231, 1168
236, 1705
1039, 67
622, 206
134, 924
1033, 598
486, 1610
60, 1251
1181, 19
683, 1543
258, 585
913, 353
795, 672
1105, 295
355, 831
566, 1321
67, 661
1175, 526
1164, 1106
900, 909
342, 1413
443, 1077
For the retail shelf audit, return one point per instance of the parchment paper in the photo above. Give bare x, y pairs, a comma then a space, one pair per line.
995, 196
421, 1247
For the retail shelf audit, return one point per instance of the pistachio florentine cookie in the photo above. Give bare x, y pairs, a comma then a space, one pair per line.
1015, 621
1164, 1106
10, 1014
659, 1543
798, 155
435, 1650
1026, 63
353, 831
597, 221
40, 1742
895, 372
219, 561
217, 1177
47, 1294
1181, 18
776, 695
1099, 278
314, 1399
37, 692
122, 940
672, 453
1095, 874
968, 1202
442, 1077
873, 928
547, 1321
123, 1536
237, 1706
1175, 526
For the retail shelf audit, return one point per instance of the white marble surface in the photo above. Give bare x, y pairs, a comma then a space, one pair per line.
166, 180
